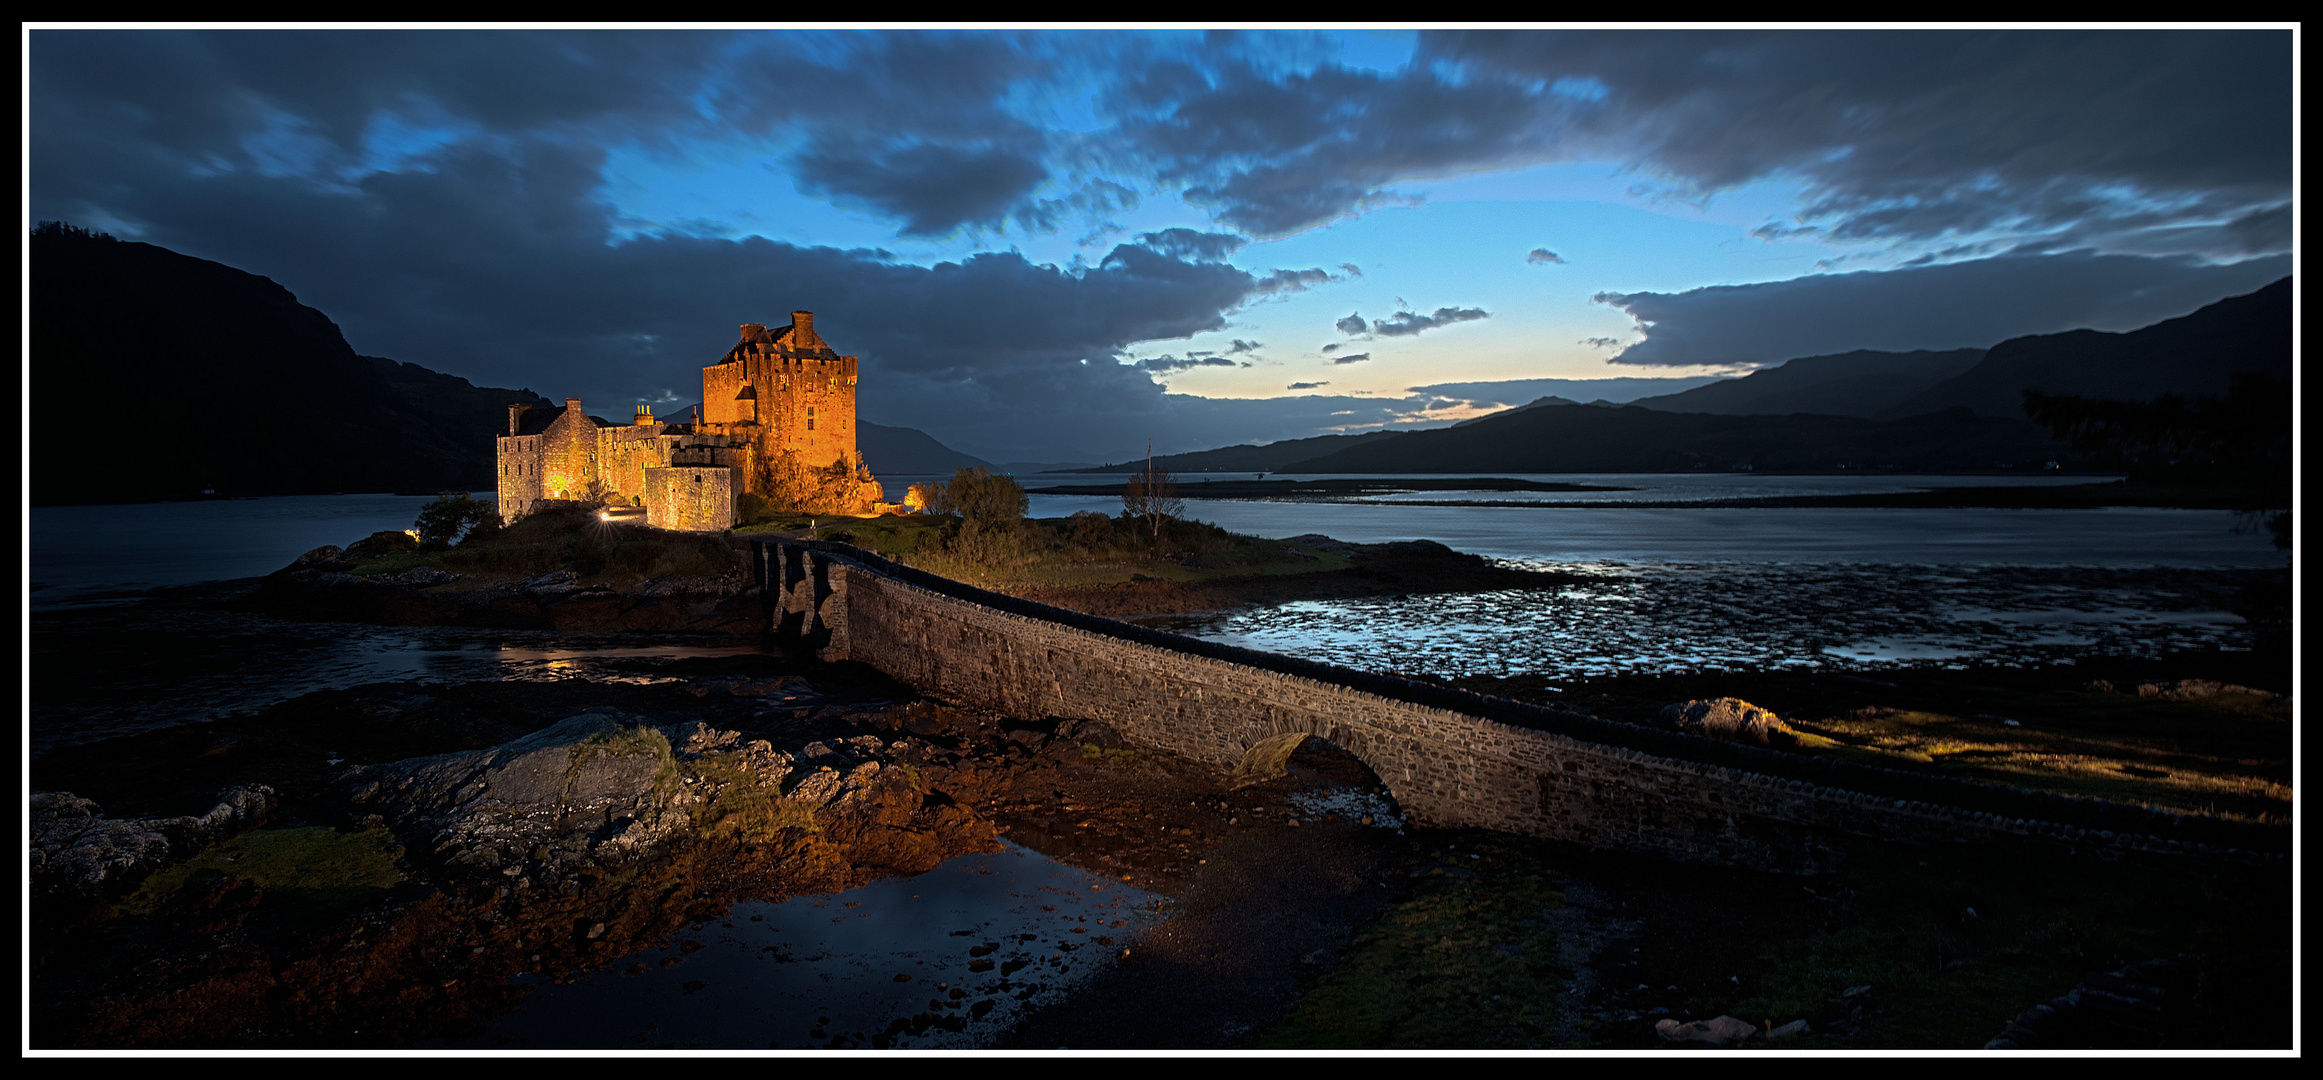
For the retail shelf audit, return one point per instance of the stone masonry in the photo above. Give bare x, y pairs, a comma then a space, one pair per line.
1449, 758
781, 394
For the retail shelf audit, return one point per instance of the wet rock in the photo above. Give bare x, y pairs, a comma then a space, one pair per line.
1716, 1032
1730, 720
1320, 542
2193, 690
79, 854
553, 583
424, 576
600, 786
1795, 1027
326, 557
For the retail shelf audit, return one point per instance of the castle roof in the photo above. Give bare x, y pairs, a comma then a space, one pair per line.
537, 419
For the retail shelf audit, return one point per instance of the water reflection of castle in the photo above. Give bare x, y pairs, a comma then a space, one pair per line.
781, 400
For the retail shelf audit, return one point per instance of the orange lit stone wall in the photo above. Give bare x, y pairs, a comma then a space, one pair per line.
690, 498
784, 389
778, 390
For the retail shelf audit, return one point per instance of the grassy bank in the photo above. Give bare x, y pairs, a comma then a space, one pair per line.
2196, 738
1085, 551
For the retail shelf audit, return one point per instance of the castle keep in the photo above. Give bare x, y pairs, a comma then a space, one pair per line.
777, 420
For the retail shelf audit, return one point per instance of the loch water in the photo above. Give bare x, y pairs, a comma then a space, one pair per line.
1652, 589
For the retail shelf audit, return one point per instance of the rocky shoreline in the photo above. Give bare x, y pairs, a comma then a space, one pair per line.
390, 864
319, 586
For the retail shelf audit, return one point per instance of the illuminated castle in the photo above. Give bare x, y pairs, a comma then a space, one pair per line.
777, 420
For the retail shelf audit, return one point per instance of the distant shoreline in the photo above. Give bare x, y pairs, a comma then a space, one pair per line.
2092, 496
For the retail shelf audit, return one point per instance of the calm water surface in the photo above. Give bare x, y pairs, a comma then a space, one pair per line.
947, 959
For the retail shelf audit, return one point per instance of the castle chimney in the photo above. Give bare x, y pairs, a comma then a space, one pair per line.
644, 415
573, 404
804, 321
516, 417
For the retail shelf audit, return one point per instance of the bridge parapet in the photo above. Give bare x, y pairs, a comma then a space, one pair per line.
1449, 757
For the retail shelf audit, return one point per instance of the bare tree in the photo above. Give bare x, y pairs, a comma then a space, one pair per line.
1153, 496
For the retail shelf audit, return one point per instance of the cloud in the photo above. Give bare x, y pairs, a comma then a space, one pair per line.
1542, 256
1331, 348
1775, 231
1167, 362
2118, 140
1352, 325
1307, 385
1944, 306
1192, 245
1406, 323
1908, 134
1894, 134
933, 188
1292, 281
1600, 342
1500, 394
493, 263
1351, 269
1238, 346
1352, 358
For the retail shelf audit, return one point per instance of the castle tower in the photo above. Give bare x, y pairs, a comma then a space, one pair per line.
785, 392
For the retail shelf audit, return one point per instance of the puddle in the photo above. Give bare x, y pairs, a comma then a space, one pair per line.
105, 671
949, 959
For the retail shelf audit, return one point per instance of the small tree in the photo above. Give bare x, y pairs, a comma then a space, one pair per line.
455, 518
1152, 496
987, 500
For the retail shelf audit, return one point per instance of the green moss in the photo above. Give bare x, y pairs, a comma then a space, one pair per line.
315, 864
740, 809
1468, 963
1945, 978
630, 742
397, 562
2227, 754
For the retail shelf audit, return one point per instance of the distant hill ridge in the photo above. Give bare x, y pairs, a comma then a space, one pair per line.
199, 377
2193, 355
1864, 383
1273, 457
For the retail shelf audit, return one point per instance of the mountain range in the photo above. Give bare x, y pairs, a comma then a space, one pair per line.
1927, 411
190, 377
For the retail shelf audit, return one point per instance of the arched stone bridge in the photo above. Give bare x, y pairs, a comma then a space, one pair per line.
1450, 758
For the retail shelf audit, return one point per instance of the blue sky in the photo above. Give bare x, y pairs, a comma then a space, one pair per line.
1059, 244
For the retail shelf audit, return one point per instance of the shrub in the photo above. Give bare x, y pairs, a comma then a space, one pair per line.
452, 518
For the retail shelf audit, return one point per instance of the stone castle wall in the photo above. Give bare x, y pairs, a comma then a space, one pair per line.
1450, 758
690, 498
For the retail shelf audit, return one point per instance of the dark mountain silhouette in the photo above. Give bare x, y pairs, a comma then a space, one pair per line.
902, 451
1273, 457
1589, 438
188, 375
2194, 355
1865, 383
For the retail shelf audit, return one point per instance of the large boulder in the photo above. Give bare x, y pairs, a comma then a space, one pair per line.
80, 854
1730, 720
596, 787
